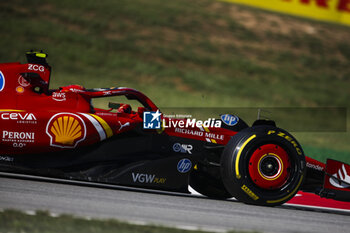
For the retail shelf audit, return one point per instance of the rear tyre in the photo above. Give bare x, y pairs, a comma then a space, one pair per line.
263, 165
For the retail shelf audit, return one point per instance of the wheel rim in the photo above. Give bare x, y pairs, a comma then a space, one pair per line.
269, 166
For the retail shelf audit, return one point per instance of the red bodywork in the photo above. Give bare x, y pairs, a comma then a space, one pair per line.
35, 119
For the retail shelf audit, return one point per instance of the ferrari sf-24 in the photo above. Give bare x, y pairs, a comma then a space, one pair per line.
59, 133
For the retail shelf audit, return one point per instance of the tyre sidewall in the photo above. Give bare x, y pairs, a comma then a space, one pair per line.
241, 186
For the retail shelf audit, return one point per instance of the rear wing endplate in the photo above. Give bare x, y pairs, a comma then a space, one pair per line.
336, 184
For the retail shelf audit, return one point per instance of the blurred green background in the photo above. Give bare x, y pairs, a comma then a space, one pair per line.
198, 53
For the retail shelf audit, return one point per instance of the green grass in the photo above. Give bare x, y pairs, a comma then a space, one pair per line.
198, 53
16, 221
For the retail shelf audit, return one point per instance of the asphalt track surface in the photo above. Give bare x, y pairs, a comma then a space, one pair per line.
162, 208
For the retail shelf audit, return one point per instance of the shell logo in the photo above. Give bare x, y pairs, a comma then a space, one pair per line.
66, 130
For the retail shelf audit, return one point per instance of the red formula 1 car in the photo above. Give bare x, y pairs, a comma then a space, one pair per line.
58, 133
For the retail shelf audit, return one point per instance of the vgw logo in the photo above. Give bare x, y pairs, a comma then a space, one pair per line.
142, 178
2, 81
151, 120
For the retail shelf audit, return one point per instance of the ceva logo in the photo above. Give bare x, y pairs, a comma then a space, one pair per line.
2, 81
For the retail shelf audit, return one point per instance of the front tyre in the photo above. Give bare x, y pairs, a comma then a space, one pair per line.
263, 165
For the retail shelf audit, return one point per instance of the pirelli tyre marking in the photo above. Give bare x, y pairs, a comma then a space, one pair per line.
249, 192
288, 138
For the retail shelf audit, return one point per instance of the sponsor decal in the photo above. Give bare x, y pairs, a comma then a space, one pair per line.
107, 93
184, 165
123, 125
19, 89
20, 118
106, 114
314, 166
326, 10
229, 120
58, 96
2, 81
23, 82
75, 90
214, 136
19, 139
249, 192
66, 130
100, 89
147, 178
19, 145
182, 148
158, 180
342, 175
209, 135
6, 158
35, 67
189, 132
151, 120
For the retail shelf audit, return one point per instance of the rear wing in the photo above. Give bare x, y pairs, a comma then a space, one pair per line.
336, 184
